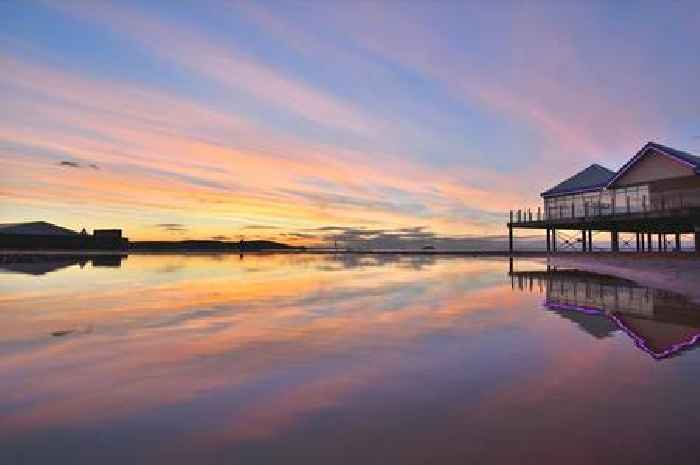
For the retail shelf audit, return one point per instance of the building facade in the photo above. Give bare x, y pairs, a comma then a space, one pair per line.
657, 178
656, 192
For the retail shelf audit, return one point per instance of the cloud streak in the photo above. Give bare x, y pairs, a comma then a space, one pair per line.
270, 121
75, 164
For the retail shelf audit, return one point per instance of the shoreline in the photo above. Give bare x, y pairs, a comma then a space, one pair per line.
623, 256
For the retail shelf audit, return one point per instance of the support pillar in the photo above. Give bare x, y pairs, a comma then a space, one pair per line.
554, 240
590, 240
659, 242
649, 247
638, 248
678, 242
583, 240
614, 241
510, 239
549, 245
697, 239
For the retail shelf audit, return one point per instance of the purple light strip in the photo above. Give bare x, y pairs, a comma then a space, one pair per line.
638, 340
577, 308
641, 343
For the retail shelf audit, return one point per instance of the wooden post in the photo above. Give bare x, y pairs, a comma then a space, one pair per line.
659, 242
638, 242
590, 240
649, 246
554, 240
614, 241
678, 242
549, 245
583, 240
510, 239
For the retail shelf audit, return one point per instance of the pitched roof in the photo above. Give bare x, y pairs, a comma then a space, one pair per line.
691, 161
685, 156
35, 228
593, 177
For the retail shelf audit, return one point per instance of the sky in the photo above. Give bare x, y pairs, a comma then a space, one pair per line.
309, 122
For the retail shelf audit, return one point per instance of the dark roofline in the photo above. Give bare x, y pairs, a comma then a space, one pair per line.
66, 231
580, 190
547, 195
667, 151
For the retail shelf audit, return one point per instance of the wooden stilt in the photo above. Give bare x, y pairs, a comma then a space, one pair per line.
614, 241
510, 239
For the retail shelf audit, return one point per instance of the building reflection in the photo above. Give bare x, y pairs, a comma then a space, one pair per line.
40, 264
660, 322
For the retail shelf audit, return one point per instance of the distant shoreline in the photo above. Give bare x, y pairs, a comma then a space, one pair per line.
634, 256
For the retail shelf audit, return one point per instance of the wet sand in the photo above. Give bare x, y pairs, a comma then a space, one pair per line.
674, 272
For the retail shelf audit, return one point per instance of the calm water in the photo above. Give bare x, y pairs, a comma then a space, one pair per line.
324, 360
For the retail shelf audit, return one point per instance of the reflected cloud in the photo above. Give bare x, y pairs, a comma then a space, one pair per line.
212, 311
259, 355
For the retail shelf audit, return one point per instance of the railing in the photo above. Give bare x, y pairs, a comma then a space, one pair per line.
659, 203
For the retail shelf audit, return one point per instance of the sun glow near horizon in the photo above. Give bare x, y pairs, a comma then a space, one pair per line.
304, 123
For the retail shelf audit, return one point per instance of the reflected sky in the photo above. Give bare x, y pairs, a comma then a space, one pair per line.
322, 359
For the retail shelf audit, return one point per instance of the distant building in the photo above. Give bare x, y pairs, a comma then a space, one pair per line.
36, 228
40, 235
657, 192
107, 233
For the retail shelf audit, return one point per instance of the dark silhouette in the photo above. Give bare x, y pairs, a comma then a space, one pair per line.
39, 264
40, 235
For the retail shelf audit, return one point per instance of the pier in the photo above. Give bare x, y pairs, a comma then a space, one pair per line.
654, 197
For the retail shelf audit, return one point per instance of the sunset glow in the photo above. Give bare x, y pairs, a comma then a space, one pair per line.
300, 122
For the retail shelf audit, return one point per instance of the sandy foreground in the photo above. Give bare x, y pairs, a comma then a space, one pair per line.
681, 275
